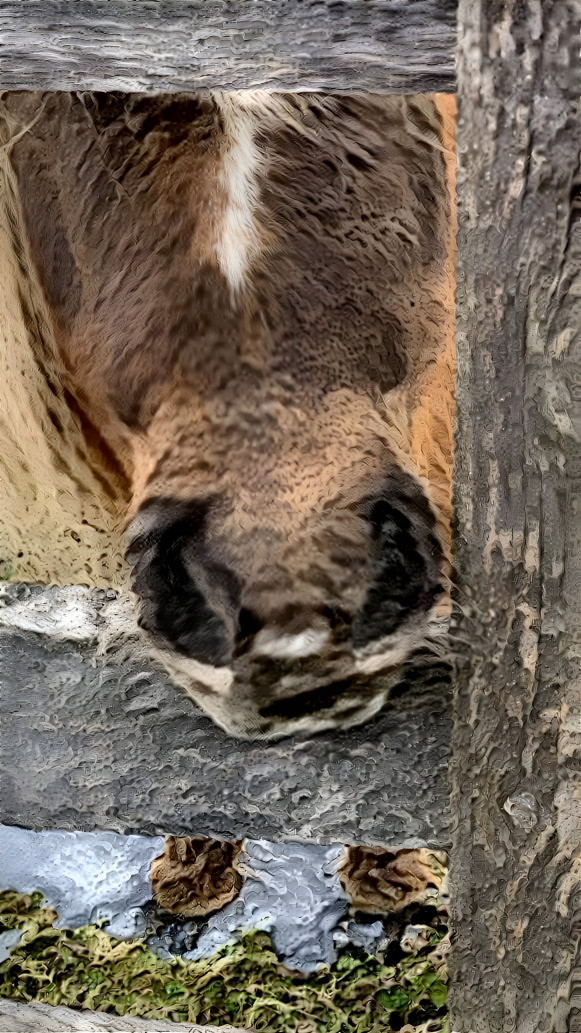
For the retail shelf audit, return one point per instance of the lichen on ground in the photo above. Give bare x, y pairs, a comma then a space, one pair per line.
242, 983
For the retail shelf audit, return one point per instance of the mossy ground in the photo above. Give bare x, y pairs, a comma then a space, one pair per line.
242, 984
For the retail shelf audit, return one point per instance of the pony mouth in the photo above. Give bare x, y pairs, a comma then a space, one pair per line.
353, 689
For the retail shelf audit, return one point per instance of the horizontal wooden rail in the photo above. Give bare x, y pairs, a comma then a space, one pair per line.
32, 1018
95, 742
172, 45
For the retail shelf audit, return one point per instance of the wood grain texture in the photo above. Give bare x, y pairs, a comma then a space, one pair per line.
516, 871
43, 1018
164, 45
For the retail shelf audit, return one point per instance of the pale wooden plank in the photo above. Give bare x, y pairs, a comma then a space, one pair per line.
166, 45
43, 1018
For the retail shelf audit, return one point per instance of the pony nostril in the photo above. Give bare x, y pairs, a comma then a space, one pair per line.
177, 610
189, 596
248, 624
208, 642
407, 574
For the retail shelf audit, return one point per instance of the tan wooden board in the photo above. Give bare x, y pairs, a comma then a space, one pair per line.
401, 46
43, 1018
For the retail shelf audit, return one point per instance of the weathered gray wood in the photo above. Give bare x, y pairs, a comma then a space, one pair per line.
101, 742
42, 1018
165, 45
516, 876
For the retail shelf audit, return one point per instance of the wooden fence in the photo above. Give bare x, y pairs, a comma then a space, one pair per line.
514, 771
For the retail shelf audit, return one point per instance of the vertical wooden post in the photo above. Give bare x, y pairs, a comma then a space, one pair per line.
516, 781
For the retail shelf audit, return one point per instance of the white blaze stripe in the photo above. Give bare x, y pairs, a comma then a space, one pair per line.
240, 239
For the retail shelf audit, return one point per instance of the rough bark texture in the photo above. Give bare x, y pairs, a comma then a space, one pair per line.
516, 801
163, 45
43, 1018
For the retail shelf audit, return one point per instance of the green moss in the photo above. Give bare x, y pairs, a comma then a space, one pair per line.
242, 984
6, 570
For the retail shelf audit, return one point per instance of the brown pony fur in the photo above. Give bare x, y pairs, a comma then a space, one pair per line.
245, 299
